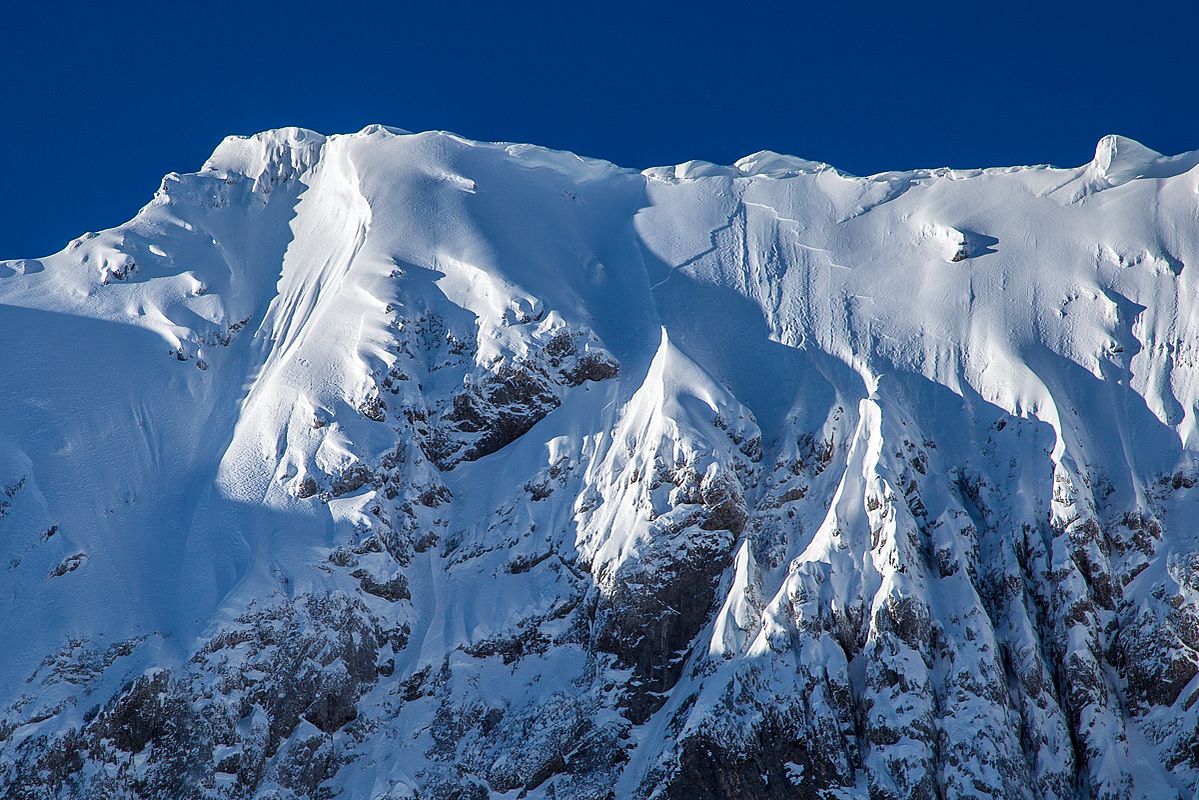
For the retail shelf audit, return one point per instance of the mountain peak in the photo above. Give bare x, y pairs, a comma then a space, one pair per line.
772, 164
390, 465
279, 149
1119, 158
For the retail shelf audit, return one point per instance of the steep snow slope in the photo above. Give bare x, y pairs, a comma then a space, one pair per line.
398, 465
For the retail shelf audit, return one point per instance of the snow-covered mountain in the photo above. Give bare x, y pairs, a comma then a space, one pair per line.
397, 465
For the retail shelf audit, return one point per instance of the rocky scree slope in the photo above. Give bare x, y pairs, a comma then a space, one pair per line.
405, 466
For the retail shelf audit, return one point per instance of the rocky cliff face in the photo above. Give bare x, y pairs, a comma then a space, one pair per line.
404, 466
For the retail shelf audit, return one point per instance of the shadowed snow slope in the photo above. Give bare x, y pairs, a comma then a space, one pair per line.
395, 465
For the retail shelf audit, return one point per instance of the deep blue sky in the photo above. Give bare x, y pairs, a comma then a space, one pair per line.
98, 101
